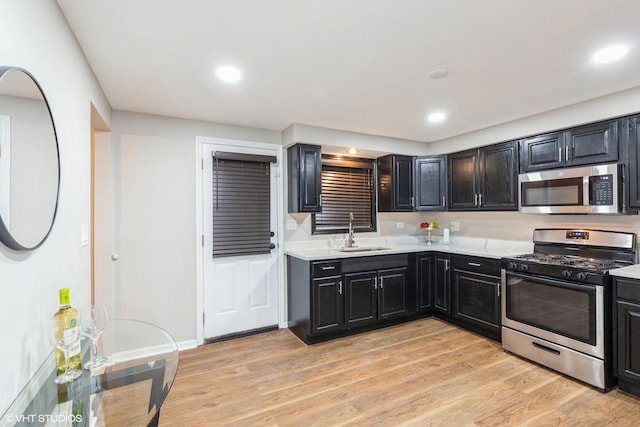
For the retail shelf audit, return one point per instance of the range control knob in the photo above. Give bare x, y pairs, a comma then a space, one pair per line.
567, 274
582, 276
512, 266
524, 267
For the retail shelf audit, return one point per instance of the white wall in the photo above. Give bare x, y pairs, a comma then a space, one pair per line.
34, 35
155, 216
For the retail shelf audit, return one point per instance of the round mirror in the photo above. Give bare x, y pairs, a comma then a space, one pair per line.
29, 162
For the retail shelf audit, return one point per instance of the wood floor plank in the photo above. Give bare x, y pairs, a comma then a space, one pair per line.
425, 372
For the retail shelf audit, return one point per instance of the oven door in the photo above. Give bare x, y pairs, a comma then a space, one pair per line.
566, 313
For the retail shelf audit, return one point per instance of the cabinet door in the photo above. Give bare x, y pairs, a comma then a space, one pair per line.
542, 152
477, 298
328, 305
392, 292
594, 143
430, 183
441, 284
631, 127
425, 266
463, 180
499, 177
305, 178
395, 183
361, 299
629, 341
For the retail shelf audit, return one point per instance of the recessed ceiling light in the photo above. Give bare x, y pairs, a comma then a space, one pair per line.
610, 54
352, 151
438, 74
228, 74
436, 117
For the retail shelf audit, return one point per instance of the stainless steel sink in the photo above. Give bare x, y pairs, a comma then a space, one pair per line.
362, 248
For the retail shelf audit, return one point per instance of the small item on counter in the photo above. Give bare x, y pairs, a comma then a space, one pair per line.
446, 239
429, 224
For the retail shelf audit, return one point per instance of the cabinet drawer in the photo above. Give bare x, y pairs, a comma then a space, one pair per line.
327, 268
488, 266
628, 289
373, 263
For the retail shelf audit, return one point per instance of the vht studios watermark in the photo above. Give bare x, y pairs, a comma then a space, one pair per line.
45, 418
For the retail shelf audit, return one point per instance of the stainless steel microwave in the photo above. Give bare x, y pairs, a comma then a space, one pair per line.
595, 189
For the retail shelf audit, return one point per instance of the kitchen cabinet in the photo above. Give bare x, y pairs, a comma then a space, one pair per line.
484, 179
631, 131
375, 295
627, 347
430, 183
583, 145
476, 294
395, 183
441, 283
425, 266
304, 170
332, 298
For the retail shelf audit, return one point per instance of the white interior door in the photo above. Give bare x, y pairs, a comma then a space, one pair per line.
240, 293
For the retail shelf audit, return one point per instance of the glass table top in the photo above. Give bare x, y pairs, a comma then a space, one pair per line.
129, 390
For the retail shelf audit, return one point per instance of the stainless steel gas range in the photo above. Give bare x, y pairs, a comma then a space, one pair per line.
556, 301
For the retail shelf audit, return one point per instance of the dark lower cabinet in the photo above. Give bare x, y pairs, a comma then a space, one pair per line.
424, 277
476, 294
375, 295
328, 305
441, 283
361, 299
627, 348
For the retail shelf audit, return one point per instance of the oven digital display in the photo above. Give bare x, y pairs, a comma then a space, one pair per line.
578, 235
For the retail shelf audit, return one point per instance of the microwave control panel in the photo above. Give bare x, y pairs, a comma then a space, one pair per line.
601, 189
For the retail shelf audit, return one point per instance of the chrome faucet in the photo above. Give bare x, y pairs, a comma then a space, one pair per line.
351, 239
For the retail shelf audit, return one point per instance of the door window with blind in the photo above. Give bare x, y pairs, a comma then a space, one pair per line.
347, 186
241, 204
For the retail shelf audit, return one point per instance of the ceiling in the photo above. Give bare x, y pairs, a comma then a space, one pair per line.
356, 65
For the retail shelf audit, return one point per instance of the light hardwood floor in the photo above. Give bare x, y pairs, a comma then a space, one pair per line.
420, 373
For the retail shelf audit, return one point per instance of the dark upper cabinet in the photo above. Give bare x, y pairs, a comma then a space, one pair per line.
631, 137
304, 165
430, 183
395, 183
583, 145
484, 178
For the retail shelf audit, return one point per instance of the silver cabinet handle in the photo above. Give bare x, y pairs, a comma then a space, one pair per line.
474, 264
443, 201
381, 282
412, 201
446, 265
320, 200
340, 287
566, 152
375, 283
475, 199
480, 197
333, 267
559, 154
499, 285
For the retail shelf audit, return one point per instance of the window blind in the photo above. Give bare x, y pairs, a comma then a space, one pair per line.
241, 206
344, 190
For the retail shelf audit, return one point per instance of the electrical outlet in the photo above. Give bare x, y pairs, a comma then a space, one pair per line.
291, 224
455, 226
399, 224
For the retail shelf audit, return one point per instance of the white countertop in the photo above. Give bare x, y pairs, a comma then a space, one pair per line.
328, 249
631, 272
